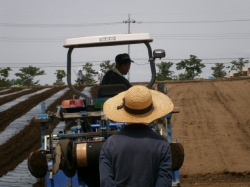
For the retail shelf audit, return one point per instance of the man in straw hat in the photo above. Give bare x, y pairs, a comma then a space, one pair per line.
136, 156
115, 76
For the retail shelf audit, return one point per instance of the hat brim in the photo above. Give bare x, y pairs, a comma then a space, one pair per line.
162, 105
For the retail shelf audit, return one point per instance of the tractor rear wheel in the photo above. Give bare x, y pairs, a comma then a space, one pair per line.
67, 159
37, 164
177, 152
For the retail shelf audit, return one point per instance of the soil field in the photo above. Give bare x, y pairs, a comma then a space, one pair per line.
213, 126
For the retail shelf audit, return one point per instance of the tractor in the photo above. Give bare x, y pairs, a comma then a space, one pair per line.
70, 157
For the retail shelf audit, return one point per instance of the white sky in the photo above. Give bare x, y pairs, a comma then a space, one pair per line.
33, 32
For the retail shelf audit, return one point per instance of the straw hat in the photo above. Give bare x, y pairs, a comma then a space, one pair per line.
137, 105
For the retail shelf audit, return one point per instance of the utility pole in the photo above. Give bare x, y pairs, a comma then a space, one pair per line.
129, 21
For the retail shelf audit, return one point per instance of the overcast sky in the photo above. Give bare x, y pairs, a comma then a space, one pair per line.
33, 32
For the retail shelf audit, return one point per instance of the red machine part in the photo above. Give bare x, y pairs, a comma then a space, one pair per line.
73, 103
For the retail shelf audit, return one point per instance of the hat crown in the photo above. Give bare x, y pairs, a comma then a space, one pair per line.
123, 58
137, 105
138, 97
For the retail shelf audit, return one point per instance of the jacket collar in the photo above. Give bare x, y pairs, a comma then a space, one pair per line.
117, 71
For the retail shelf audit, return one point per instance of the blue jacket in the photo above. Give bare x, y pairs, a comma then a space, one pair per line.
135, 157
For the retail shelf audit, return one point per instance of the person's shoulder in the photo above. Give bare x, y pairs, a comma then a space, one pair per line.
108, 72
115, 75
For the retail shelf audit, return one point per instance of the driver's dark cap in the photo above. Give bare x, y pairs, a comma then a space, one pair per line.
123, 59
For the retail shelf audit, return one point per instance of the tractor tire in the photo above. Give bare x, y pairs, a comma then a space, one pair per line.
67, 158
37, 164
177, 153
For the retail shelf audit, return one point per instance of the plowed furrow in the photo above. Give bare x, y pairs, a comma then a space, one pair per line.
23, 107
17, 148
9, 98
12, 90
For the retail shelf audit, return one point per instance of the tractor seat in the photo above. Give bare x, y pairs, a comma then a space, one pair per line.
110, 90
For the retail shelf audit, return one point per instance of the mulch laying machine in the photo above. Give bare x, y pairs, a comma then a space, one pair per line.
71, 157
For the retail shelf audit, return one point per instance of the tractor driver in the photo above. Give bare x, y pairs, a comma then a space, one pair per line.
115, 76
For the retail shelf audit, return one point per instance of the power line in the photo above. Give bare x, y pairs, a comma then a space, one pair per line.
214, 21
184, 13
96, 63
155, 36
196, 39
135, 59
144, 14
111, 23
201, 35
55, 25
177, 34
29, 39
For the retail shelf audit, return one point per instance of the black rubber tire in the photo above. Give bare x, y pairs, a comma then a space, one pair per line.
67, 158
37, 164
177, 152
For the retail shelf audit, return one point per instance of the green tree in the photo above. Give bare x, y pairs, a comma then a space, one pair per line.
60, 74
16, 81
106, 65
218, 70
27, 75
228, 67
164, 72
4, 74
181, 76
239, 65
88, 77
192, 67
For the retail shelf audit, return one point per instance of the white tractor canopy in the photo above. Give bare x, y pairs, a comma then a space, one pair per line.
112, 40
108, 40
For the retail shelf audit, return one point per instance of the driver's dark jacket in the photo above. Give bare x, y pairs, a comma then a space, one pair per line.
135, 157
112, 77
